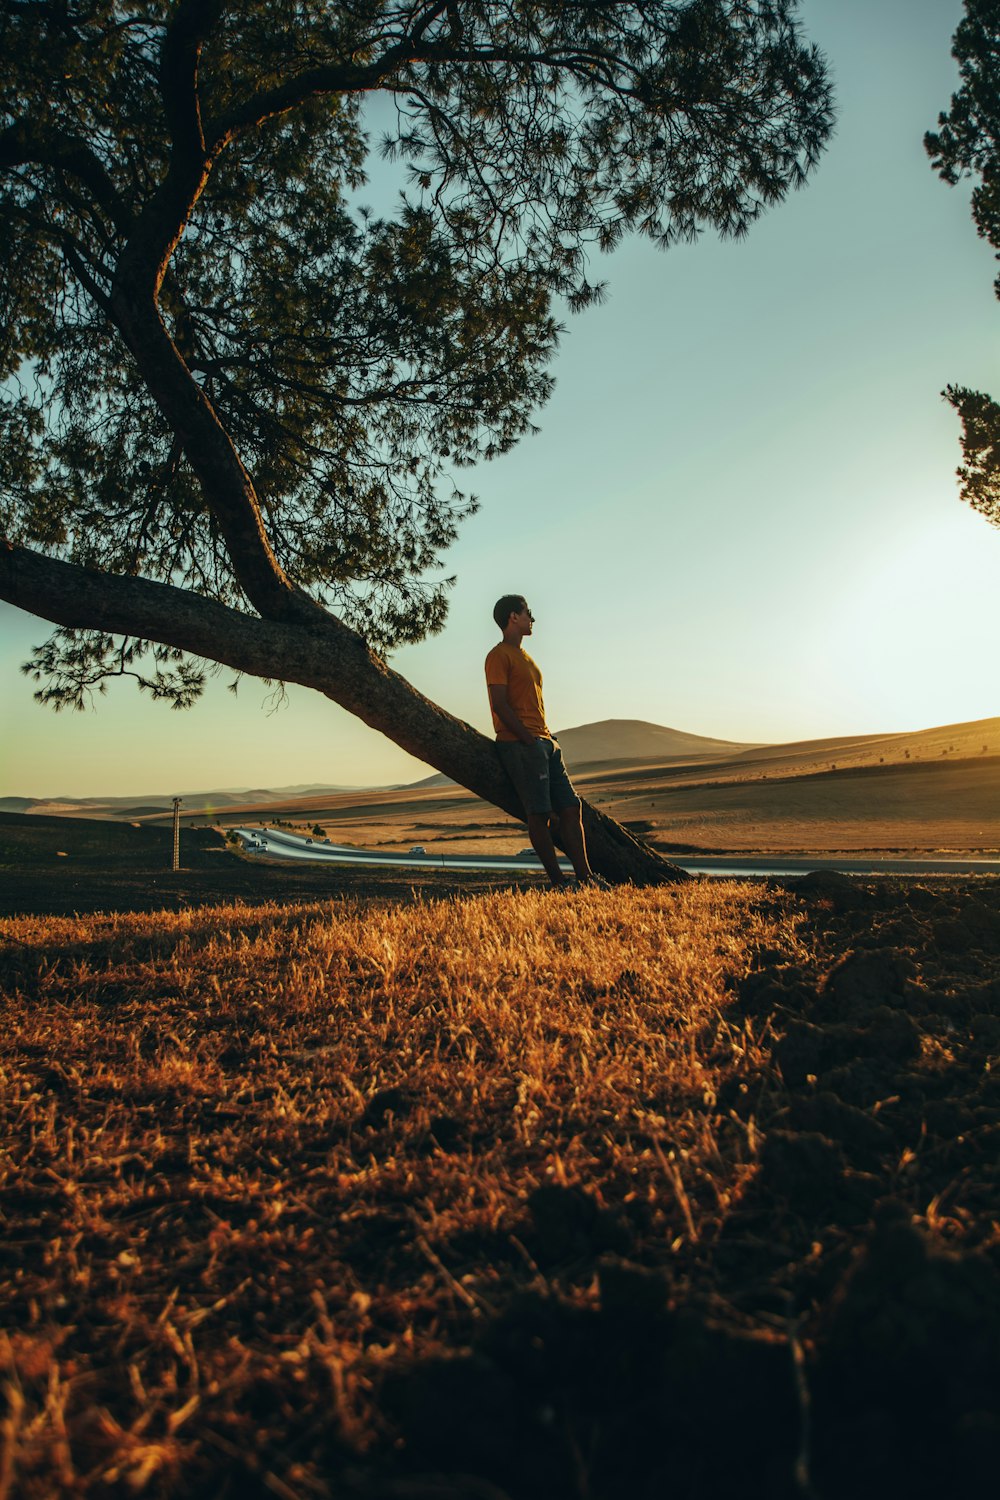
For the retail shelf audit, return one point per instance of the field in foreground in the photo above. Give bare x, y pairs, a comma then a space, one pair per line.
686, 1192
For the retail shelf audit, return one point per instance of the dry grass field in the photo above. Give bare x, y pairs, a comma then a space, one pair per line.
933, 792
688, 1191
936, 792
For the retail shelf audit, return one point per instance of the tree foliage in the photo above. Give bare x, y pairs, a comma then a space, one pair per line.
235, 404
220, 372
967, 143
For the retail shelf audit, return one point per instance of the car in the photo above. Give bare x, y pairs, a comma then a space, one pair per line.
308, 841
418, 849
522, 852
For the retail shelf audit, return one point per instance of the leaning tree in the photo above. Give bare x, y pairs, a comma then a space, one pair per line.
234, 403
967, 143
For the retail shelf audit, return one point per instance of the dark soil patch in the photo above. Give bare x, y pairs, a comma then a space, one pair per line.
840, 1337
72, 866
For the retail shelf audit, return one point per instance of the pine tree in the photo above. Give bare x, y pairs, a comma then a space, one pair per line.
234, 405
967, 142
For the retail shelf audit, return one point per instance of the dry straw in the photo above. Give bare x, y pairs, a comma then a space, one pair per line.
255, 1156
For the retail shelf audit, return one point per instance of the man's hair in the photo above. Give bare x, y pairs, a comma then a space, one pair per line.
510, 604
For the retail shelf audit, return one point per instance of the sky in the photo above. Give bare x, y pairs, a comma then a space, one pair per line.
740, 517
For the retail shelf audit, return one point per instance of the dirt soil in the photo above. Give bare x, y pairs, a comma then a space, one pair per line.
61, 866
840, 1335
872, 1225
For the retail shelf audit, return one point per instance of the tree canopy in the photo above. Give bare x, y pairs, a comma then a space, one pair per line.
967, 142
236, 403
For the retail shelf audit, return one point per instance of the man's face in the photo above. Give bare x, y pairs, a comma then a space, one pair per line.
524, 620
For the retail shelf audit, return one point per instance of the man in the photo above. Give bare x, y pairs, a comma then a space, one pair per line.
530, 756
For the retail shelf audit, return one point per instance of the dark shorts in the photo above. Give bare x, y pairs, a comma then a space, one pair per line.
538, 774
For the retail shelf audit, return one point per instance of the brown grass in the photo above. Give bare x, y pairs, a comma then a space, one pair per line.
259, 1163
932, 792
924, 801
279, 1148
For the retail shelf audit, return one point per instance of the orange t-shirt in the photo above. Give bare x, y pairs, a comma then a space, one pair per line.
512, 668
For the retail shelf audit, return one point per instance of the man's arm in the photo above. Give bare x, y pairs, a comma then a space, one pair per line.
500, 704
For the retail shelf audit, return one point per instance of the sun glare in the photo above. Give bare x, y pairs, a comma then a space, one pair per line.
919, 623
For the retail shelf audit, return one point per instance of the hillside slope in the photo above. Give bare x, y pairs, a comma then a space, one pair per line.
635, 739
628, 740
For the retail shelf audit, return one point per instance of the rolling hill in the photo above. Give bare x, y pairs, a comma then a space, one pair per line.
155, 804
634, 739
627, 740
928, 789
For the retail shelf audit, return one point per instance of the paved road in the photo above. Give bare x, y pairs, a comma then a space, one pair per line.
281, 845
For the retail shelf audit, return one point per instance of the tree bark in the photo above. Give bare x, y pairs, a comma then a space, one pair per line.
323, 654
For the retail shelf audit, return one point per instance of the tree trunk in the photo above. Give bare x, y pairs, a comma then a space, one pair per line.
324, 655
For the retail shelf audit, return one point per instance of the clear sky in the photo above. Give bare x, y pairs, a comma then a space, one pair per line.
740, 517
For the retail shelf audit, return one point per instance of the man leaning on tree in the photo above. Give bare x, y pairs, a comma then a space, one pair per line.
527, 750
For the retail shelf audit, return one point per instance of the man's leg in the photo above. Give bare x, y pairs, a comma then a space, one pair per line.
541, 842
571, 836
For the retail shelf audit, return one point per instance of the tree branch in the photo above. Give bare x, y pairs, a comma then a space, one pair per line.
342, 78
134, 309
338, 78
21, 145
324, 655
192, 24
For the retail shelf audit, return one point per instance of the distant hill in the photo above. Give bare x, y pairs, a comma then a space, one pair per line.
154, 805
627, 740
609, 739
16, 804
634, 739
610, 744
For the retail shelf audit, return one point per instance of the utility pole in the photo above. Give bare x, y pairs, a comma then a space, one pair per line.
177, 833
